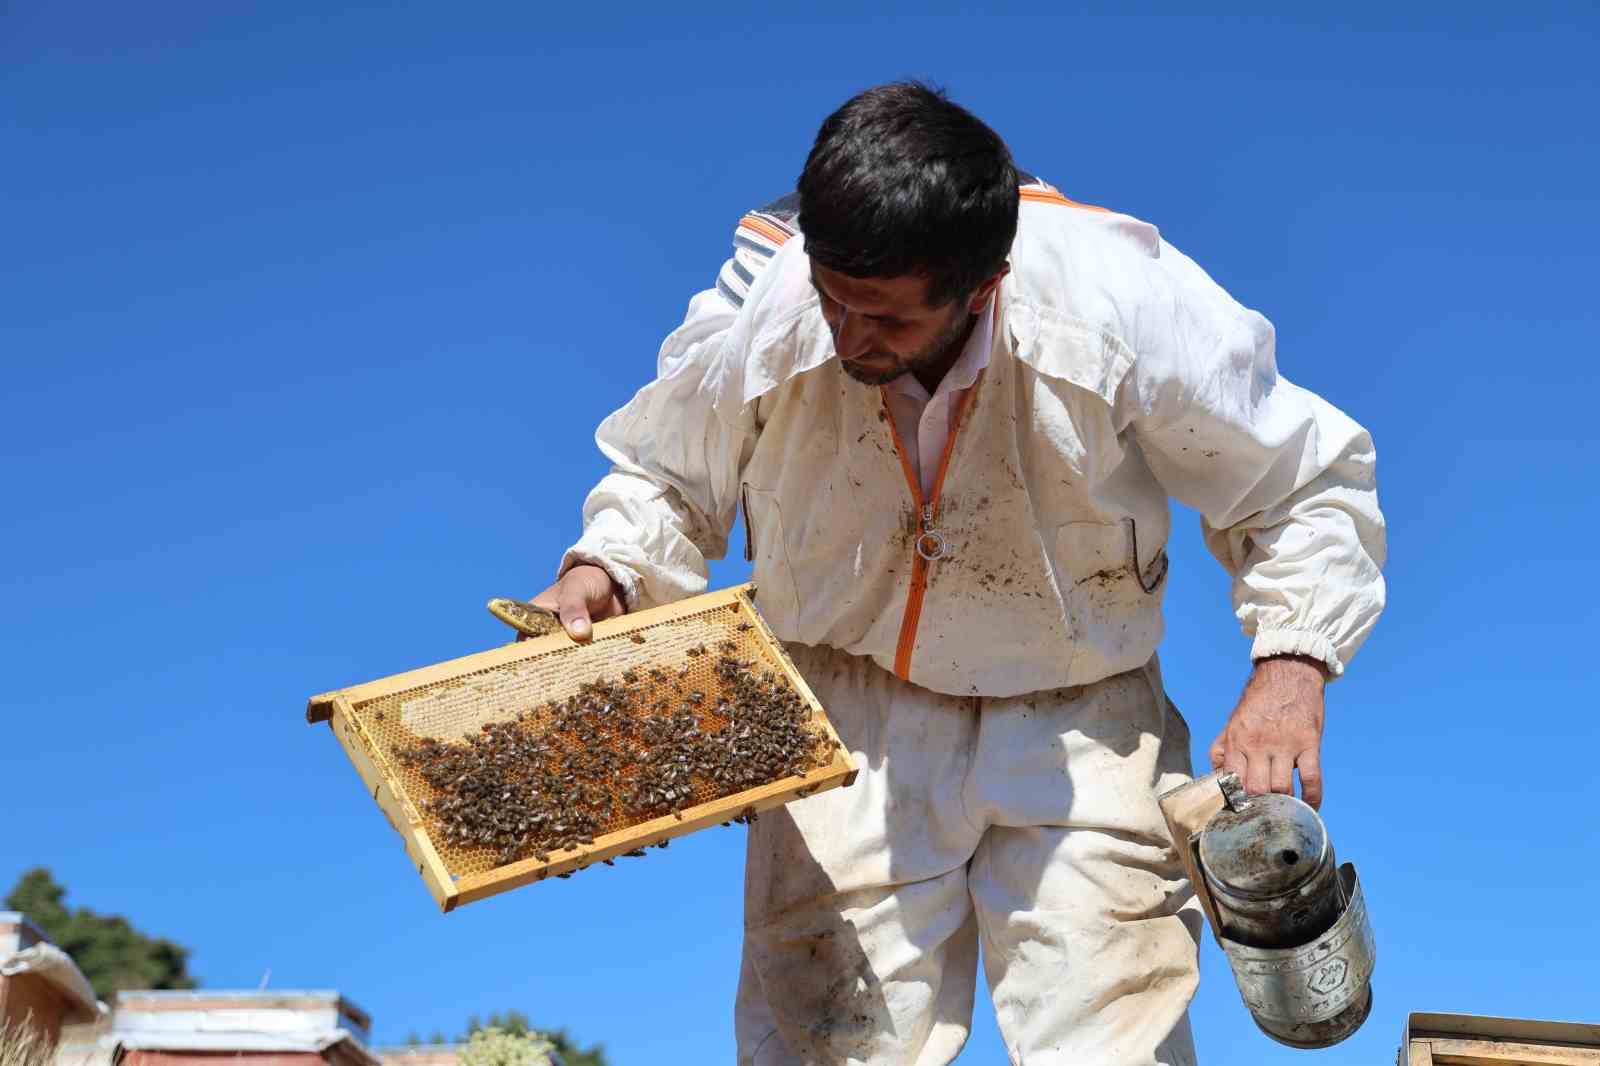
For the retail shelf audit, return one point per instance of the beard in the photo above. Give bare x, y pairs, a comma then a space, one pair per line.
942, 350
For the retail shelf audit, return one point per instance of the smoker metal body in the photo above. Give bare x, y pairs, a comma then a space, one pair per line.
1292, 922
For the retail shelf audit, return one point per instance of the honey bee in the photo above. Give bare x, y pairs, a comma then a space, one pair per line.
559, 774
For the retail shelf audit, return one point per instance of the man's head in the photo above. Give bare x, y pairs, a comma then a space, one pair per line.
909, 206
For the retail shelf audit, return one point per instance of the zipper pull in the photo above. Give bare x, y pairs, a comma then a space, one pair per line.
931, 544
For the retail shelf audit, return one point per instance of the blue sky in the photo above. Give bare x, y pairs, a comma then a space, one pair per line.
308, 312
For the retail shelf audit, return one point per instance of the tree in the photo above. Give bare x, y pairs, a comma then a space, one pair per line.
111, 953
496, 1047
515, 1023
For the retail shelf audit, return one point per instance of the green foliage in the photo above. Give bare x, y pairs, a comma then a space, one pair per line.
110, 951
488, 1046
515, 1023
512, 1021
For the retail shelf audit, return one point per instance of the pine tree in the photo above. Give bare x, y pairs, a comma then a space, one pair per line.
111, 953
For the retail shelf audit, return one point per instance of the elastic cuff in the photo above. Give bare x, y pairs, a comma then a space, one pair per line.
626, 579
1271, 642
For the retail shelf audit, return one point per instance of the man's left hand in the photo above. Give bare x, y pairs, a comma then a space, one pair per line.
1277, 727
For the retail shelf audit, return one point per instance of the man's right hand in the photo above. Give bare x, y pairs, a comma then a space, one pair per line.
584, 595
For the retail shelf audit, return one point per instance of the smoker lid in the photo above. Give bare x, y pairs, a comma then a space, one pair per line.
1268, 849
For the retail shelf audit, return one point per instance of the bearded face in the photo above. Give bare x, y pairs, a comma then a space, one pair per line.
883, 328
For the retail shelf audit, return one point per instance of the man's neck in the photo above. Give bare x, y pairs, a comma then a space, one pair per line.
931, 375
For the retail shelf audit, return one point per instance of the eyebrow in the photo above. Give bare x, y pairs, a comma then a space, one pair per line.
817, 285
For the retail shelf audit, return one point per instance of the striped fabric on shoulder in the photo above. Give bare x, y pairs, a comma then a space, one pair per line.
756, 240
1040, 191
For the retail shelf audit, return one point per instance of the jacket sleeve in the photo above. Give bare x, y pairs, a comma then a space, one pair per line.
1283, 480
671, 497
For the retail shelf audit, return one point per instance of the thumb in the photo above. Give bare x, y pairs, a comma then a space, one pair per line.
572, 599
1218, 753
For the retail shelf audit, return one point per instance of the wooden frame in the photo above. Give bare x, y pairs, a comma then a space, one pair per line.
1476, 1040
383, 782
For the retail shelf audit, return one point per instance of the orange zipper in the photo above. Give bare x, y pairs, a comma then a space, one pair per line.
928, 510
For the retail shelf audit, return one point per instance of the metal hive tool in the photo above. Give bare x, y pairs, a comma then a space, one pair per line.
678, 750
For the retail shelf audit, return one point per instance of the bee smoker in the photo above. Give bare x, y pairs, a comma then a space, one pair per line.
1291, 921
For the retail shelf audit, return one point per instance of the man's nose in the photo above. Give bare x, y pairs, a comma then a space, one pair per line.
853, 337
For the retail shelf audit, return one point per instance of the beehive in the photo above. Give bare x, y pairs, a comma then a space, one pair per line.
670, 656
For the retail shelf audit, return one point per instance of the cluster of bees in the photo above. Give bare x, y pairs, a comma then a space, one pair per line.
614, 754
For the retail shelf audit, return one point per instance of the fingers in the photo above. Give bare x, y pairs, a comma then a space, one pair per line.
585, 595
572, 598
1257, 774
1280, 775
1235, 762
1263, 773
601, 596
1310, 763
614, 607
1231, 758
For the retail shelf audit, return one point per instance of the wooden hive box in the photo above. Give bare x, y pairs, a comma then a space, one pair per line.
1476, 1040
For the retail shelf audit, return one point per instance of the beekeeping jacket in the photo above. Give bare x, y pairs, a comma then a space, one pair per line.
1120, 375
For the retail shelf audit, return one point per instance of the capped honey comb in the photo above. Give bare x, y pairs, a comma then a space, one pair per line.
544, 757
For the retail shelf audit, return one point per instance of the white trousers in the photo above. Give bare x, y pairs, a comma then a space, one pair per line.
1030, 822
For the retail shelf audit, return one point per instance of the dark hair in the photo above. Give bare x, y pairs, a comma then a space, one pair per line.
902, 181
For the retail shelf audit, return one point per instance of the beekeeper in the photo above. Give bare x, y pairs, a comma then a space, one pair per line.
953, 404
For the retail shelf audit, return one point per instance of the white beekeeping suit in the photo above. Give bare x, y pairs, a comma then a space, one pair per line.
1001, 697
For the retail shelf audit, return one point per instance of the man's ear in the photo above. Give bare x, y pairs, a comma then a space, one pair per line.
985, 290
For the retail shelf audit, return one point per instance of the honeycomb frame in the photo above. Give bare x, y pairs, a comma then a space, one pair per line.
374, 721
